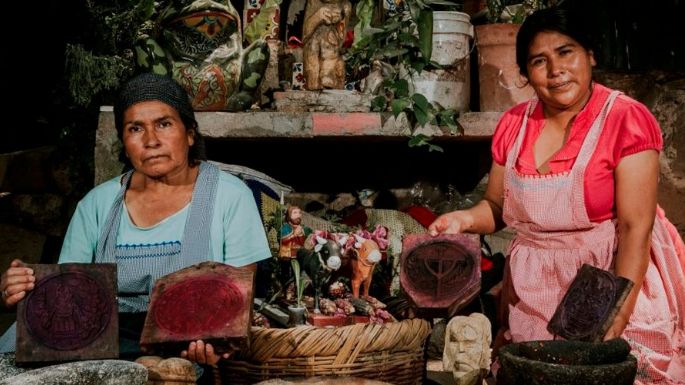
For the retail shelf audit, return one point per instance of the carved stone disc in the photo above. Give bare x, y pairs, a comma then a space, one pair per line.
440, 268
440, 274
67, 311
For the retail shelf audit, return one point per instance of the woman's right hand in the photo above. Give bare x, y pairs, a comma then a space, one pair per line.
16, 282
454, 222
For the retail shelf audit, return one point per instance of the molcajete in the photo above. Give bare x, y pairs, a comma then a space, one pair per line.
568, 363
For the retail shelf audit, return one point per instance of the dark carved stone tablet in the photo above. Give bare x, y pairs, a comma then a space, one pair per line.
210, 302
440, 274
590, 305
70, 314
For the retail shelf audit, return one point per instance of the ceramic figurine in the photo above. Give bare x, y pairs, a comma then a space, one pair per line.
293, 233
365, 255
199, 44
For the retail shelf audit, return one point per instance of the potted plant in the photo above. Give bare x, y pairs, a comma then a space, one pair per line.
297, 312
501, 85
397, 47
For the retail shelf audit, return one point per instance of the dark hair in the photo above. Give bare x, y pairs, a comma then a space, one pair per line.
149, 86
550, 19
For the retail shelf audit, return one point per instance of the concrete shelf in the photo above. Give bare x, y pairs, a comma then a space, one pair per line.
263, 131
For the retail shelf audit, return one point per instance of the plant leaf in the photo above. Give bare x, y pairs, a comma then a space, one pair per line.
424, 140
425, 29
418, 140
398, 105
401, 88
379, 103
299, 287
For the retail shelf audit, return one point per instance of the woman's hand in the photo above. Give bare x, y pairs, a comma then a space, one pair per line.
454, 222
617, 327
16, 282
483, 218
202, 353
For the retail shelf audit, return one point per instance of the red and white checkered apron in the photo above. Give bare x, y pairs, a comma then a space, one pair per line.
555, 237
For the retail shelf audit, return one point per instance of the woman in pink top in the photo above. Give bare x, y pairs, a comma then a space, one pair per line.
575, 174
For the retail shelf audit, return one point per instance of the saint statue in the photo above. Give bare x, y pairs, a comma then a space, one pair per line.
325, 25
293, 234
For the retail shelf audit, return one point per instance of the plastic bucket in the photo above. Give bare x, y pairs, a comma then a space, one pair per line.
451, 34
450, 87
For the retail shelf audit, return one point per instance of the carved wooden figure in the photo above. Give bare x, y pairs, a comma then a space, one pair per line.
325, 24
365, 255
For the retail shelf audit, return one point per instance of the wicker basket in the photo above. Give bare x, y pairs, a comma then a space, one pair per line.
392, 352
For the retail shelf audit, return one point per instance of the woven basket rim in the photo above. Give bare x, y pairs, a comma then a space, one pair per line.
344, 342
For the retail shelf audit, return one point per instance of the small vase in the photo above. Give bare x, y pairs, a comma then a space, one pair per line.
296, 314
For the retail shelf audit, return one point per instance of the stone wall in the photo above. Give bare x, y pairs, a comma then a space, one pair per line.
664, 95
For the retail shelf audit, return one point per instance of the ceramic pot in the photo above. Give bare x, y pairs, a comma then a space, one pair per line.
296, 315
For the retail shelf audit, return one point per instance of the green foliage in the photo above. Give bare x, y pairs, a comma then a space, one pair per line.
504, 11
105, 58
299, 283
89, 74
404, 41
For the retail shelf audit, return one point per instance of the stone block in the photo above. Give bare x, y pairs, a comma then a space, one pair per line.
100, 372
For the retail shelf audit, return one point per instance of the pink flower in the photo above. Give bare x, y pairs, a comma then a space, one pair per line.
380, 235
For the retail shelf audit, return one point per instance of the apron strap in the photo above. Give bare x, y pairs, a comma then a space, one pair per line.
106, 246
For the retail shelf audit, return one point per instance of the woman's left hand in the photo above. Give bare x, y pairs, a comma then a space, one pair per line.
617, 327
202, 353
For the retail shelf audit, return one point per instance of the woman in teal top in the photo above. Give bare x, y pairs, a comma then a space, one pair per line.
170, 211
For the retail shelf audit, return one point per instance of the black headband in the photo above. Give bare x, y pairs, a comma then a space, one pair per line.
149, 86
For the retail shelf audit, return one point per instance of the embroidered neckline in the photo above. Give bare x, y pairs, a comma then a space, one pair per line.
148, 250
551, 175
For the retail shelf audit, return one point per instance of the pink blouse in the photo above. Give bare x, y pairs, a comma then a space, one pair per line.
629, 128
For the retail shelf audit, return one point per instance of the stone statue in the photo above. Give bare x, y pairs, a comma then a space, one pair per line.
467, 348
325, 24
199, 44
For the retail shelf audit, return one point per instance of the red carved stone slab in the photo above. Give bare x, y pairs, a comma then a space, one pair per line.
590, 305
71, 314
209, 301
440, 274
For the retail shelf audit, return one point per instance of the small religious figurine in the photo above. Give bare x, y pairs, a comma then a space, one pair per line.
467, 348
293, 234
325, 24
